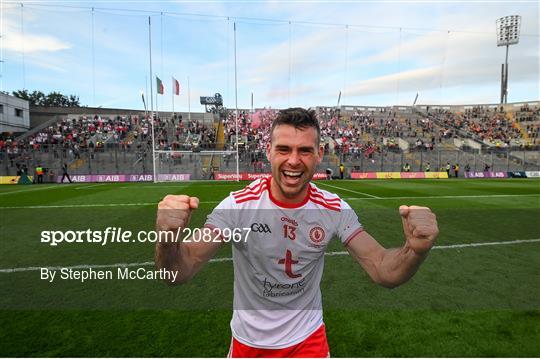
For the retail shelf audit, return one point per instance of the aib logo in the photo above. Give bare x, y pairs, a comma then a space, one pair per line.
260, 227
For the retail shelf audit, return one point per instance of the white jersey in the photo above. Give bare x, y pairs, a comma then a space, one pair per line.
278, 269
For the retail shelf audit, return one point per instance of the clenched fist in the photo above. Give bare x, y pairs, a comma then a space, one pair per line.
420, 227
174, 212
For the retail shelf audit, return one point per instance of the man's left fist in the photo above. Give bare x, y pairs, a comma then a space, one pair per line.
420, 227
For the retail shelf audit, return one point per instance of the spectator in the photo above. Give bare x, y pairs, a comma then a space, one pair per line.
407, 167
65, 173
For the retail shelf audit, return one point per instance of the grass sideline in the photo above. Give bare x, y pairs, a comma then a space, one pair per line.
464, 302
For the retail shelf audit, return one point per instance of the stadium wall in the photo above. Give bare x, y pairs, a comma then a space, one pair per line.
14, 114
250, 176
454, 108
40, 115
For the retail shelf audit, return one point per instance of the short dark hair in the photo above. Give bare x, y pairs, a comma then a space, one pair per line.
299, 118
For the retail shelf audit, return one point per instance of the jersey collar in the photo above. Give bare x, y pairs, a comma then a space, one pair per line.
287, 205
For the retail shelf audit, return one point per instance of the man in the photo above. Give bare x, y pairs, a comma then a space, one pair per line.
329, 173
456, 170
278, 269
407, 167
39, 174
341, 170
65, 173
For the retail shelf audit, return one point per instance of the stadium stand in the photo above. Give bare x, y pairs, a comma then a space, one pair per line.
101, 141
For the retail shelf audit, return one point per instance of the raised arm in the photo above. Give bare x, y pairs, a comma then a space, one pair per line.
184, 257
392, 267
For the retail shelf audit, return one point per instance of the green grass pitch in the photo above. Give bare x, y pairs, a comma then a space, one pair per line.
470, 301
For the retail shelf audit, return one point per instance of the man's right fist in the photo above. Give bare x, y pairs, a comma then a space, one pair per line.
174, 212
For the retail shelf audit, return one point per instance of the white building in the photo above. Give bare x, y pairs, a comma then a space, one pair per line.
14, 114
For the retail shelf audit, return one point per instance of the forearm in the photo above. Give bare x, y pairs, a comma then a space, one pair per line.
393, 267
398, 265
170, 256
186, 258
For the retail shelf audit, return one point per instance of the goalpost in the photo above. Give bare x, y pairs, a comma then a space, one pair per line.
175, 166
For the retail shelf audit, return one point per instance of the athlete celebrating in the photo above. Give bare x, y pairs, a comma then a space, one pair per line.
279, 266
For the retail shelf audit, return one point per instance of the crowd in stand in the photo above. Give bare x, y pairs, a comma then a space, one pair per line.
254, 134
181, 134
352, 134
492, 125
338, 135
71, 136
371, 132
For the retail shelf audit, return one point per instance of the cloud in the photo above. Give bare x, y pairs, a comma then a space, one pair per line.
431, 77
33, 43
367, 63
283, 92
29, 42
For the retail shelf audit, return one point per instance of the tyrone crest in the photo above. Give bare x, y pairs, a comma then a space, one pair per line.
316, 234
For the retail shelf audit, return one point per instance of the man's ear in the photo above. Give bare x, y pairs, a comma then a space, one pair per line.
321, 153
268, 147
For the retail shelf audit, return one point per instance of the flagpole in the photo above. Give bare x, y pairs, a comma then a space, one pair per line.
157, 109
146, 86
172, 94
251, 112
152, 101
189, 100
236, 110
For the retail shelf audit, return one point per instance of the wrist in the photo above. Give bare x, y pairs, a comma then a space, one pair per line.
413, 251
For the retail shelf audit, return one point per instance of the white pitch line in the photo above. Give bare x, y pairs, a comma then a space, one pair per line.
95, 205
447, 197
182, 186
228, 259
83, 205
481, 244
80, 266
463, 245
40, 188
91, 186
350, 190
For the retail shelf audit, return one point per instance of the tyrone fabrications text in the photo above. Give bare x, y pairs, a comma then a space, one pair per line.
90, 273
117, 235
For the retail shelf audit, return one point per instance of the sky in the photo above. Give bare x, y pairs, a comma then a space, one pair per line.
280, 53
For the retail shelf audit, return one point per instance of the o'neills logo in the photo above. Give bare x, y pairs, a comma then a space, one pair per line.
282, 289
316, 234
289, 220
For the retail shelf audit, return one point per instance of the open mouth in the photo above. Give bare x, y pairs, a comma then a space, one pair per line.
292, 177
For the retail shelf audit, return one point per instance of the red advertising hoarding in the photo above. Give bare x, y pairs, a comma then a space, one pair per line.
251, 176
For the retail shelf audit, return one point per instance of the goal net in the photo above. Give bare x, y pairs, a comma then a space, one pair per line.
177, 166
